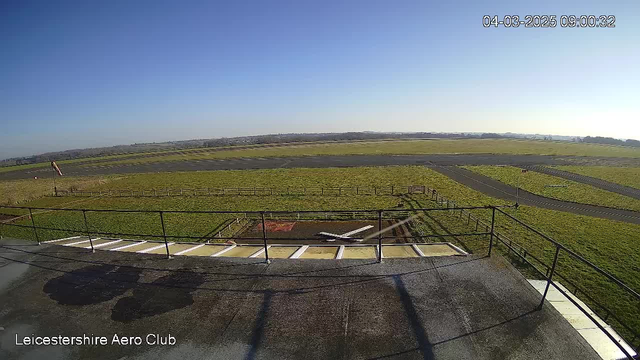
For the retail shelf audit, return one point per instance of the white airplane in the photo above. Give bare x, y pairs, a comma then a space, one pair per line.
346, 236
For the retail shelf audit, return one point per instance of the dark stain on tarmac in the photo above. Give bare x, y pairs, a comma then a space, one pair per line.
91, 284
168, 293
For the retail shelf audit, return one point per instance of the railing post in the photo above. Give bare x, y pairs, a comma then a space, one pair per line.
379, 236
264, 238
549, 278
164, 234
33, 225
493, 221
86, 228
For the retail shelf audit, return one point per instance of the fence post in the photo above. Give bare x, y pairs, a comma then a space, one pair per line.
86, 227
379, 236
164, 234
553, 269
493, 221
391, 189
33, 225
264, 238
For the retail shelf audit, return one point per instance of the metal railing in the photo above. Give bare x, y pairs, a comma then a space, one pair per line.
253, 215
463, 212
550, 271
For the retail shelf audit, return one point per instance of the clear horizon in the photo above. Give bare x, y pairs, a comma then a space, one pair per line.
79, 75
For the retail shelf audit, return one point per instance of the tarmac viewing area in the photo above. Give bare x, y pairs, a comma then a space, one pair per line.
317, 284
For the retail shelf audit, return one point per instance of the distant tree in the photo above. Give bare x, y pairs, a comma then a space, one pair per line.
491, 136
632, 142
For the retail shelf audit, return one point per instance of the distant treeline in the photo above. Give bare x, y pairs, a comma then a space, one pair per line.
610, 141
276, 139
348, 136
242, 140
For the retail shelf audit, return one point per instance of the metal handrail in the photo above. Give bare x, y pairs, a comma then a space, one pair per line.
576, 256
379, 215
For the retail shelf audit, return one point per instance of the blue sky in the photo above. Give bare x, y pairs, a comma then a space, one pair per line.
86, 74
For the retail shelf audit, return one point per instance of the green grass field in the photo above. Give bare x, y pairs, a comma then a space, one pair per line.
628, 176
397, 147
130, 155
14, 192
405, 147
614, 246
536, 183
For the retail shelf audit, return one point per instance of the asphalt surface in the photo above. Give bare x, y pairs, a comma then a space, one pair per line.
311, 162
425, 308
599, 183
501, 190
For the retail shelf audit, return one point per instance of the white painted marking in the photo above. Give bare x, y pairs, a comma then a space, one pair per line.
598, 340
104, 244
299, 252
128, 246
417, 249
79, 242
153, 248
223, 251
259, 252
458, 249
340, 252
56, 240
189, 249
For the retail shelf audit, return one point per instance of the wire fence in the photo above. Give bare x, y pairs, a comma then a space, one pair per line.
481, 222
254, 191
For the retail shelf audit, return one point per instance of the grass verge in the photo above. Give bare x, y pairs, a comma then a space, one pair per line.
538, 183
628, 176
14, 192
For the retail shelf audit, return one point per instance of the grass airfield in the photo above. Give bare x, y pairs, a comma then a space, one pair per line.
391, 147
613, 246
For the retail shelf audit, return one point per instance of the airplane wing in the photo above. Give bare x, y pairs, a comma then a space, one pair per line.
335, 236
346, 235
